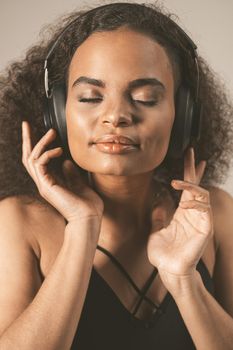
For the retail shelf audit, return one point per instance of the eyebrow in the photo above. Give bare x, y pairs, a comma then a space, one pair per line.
132, 85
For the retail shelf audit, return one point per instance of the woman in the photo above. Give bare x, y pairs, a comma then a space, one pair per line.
161, 276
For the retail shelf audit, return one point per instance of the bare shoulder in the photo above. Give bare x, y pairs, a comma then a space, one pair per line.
41, 224
14, 217
222, 208
20, 277
219, 196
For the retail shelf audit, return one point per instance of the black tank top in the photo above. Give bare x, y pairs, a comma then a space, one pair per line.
106, 324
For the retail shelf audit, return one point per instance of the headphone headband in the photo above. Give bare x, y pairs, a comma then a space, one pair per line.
190, 45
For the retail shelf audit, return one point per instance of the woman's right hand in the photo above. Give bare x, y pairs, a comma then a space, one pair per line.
75, 202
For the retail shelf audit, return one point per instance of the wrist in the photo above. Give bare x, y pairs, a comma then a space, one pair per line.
182, 286
83, 229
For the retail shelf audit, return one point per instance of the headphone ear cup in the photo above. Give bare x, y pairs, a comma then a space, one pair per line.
182, 126
54, 113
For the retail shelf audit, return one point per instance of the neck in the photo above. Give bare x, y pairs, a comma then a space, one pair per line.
127, 207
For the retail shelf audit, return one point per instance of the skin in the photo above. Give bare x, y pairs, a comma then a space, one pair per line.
125, 187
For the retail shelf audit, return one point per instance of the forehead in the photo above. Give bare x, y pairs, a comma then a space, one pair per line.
121, 54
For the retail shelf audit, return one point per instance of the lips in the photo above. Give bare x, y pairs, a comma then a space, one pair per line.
120, 139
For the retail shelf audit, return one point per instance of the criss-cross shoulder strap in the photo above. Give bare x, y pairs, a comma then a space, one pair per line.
146, 286
145, 290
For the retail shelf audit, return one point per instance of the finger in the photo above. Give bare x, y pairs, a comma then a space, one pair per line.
38, 168
198, 192
26, 141
189, 166
195, 204
48, 155
200, 169
42, 143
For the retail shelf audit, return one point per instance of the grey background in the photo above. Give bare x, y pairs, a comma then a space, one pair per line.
208, 22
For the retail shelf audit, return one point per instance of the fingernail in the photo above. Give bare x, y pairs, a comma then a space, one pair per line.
177, 181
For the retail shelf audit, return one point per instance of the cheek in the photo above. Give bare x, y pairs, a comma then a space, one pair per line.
158, 129
157, 135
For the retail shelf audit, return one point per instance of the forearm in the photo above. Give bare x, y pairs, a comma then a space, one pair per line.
51, 320
209, 325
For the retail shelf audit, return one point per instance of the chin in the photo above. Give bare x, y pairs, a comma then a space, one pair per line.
115, 169
116, 165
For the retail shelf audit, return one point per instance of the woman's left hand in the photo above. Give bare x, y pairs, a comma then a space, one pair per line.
176, 249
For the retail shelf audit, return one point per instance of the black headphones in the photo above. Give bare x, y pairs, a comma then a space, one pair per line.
187, 124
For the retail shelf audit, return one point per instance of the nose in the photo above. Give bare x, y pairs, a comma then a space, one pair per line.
118, 115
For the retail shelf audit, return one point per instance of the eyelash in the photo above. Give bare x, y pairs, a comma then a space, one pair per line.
95, 100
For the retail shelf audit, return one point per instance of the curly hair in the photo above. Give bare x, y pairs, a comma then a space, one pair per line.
22, 93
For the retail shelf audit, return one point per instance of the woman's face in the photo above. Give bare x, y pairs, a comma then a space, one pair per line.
124, 129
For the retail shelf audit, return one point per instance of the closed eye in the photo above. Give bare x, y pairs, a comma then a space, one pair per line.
96, 100
147, 103
90, 100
